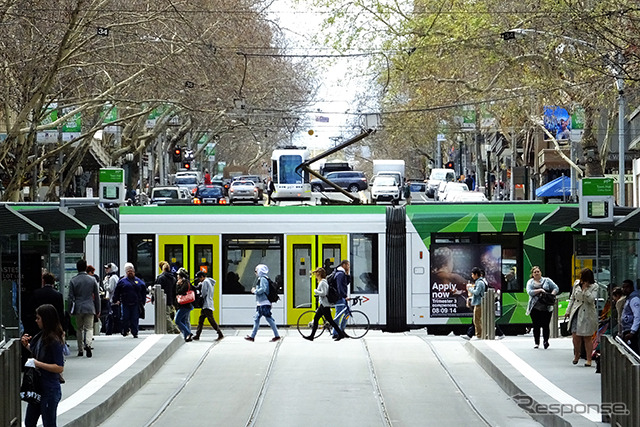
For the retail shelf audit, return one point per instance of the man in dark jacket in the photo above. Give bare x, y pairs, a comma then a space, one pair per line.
167, 282
343, 280
131, 294
48, 295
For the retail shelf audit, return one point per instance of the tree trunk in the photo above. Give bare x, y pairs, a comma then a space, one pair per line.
591, 154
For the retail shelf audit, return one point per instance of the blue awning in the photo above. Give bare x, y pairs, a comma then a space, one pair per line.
559, 187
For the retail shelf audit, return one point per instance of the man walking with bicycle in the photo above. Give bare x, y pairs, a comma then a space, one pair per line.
343, 280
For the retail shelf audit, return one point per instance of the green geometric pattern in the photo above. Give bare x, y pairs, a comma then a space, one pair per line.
523, 218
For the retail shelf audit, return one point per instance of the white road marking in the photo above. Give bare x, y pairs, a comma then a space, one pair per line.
541, 382
98, 382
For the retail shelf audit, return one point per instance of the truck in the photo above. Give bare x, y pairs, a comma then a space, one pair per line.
389, 167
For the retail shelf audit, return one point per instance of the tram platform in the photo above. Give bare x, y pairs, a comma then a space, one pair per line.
538, 386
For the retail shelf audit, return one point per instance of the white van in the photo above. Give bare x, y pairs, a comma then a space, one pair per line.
437, 176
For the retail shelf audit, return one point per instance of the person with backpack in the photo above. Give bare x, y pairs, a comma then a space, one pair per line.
263, 305
342, 282
207, 286
476, 291
324, 307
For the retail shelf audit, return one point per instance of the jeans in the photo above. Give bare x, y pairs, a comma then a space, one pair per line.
182, 319
342, 319
48, 408
130, 318
263, 311
326, 313
207, 313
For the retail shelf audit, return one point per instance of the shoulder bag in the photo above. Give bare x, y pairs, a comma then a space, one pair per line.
547, 298
187, 298
31, 390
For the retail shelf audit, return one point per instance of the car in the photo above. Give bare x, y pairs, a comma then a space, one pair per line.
385, 188
190, 182
209, 194
437, 177
256, 180
466, 196
352, 181
160, 195
243, 191
446, 189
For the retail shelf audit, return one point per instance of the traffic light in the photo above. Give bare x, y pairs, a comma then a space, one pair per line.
177, 154
186, 165
449, 165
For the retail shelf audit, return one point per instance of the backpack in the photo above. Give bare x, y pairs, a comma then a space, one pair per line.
272, 296
333, 296
199, 301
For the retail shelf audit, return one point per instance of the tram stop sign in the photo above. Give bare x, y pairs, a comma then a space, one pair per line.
112, 185
596, 200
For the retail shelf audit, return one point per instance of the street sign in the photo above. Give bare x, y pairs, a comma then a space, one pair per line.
596, 200
111, 185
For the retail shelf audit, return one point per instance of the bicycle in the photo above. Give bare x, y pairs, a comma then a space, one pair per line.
356, 326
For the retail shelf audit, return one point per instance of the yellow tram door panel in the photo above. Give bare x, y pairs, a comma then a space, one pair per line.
205, 256
301, 253
331, 250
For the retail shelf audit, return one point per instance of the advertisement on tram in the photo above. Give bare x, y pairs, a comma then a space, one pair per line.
451, 266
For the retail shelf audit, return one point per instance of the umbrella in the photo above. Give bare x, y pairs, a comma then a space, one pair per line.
559, 187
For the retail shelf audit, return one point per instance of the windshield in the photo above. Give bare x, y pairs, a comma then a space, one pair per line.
417, 187
243, 184
384, 180
210, 192
186, 180
287, 173
169, 193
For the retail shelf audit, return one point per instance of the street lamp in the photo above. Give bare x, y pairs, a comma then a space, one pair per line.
616, 66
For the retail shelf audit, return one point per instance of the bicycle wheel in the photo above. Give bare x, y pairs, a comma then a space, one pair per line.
305, 323
357, 324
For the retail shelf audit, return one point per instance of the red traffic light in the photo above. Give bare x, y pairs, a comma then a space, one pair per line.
186, 165
177, 154
449, 165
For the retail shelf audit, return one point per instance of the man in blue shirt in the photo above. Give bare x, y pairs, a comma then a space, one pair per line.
476, 292
630, 320
343, 280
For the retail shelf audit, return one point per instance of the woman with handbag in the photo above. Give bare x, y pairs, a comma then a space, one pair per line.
185, 297
582, 313
47, 348
542, 297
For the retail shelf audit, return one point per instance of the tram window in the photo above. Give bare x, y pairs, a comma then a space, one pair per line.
203, 258
288, 173
241, 255
141, 253
364, 266
174, 254
331, 257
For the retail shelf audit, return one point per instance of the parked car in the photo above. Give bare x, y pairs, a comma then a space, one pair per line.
209, 194
243, 191
159, 195
385, 188
352, 181
256, 180
446, 189
190, 182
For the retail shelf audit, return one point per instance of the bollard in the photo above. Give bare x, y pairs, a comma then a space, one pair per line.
554, 325
160, 310
488, 318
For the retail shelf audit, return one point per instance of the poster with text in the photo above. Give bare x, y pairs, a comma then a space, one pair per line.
451, 266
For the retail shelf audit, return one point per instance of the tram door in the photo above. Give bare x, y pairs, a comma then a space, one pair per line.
206, 257
306, 253
174, 250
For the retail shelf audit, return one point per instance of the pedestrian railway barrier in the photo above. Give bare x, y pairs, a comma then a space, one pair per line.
620, 382
160, 310
488, 315
11, 412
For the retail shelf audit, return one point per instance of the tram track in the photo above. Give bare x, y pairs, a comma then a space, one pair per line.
457, 385
167, 403
384, 414
255, 409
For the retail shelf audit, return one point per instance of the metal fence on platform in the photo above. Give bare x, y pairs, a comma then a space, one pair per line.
11, 412
620, 383
160, 310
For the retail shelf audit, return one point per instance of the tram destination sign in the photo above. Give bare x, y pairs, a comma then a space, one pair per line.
597, 187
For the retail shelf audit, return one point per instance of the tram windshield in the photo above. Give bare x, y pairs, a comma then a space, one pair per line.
287, 172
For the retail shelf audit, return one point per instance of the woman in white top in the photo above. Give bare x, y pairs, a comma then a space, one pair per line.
324, 307
540, 313
582, 313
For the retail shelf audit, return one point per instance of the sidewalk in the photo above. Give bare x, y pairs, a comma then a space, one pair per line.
543, 382
538, 380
